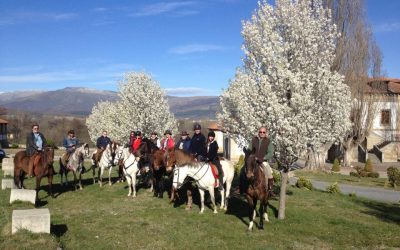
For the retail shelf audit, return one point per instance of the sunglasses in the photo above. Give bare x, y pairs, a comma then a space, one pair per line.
262, 132
36, 128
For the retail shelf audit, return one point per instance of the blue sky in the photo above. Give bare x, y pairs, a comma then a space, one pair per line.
191, 47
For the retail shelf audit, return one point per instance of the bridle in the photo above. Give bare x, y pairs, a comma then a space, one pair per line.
186, 180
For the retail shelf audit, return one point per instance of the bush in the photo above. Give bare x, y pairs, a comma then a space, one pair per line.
14, 145
393, 176
352, 195
373, 174
51, 143
304, 183
355, 174
239, 165
277, 176
368, 166
336, 165
333, 189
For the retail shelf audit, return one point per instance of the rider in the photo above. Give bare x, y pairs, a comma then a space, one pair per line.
168, 141
137, 142
35, 142
70, 143
184, 142
212, 156
132, 138
264, 150
154, 139
101, 145
198, 143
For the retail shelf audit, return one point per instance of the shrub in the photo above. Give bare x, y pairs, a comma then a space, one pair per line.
355, 174
304, 183
14, 145
51, 143
336, 165
277, 176
333, 189
239, 165
352, 195
368, 166
393, 176
373, 174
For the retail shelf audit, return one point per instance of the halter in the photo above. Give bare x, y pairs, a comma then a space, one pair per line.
178, 184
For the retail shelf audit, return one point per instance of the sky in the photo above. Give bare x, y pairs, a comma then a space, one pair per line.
190, 47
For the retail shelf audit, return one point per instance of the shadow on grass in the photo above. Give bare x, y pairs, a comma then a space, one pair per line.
58, 230
383, 211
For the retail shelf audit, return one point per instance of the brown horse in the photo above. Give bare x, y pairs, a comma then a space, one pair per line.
256, 188
158, 171
42, 167
178, 157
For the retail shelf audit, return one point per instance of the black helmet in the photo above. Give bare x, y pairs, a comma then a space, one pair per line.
138, 133
196, 127
211, 133
168, 132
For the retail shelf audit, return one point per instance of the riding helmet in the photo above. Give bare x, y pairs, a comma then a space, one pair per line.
168, 132
138, 133
211, 133
196, 127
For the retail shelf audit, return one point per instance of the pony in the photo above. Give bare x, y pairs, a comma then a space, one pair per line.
256, 188
178, 157
106, 161
42, 167
201, 172
144, 154
158, 172
130, 167
75, 164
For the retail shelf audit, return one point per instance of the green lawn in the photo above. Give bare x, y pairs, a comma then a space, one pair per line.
105, 218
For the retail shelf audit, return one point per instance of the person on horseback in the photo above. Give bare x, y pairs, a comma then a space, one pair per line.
184, 142
101, 145
264, 150
154, 139
212, 156
132, 138
168, 141
137, 142
198, 144
70, 143
35, 142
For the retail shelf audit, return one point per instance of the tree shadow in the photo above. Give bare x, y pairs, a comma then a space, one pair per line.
384, 211
58, 230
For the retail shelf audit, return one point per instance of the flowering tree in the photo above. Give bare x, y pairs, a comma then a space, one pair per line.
286, 83
143, 106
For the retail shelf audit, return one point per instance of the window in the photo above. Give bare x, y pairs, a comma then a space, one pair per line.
385, 117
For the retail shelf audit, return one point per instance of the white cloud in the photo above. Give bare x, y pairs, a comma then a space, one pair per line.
31, 16
387, 27
195, 48
164, 7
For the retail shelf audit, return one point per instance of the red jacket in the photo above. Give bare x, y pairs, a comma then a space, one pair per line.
170, 144
136, 144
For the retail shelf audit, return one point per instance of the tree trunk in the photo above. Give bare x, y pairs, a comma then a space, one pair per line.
282, 195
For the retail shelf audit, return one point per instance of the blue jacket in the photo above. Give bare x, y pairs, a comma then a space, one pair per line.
185, 144
198, 145
103, 141
69, 142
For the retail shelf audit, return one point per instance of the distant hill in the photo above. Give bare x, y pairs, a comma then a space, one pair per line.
79, 102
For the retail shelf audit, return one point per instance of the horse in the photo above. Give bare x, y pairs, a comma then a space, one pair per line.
256, 188
178, 157
42, 166
158, 172
144, 154
106, 161
201, 172
74, 164
130, 167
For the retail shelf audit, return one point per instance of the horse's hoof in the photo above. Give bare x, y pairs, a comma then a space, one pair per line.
261, 227
226, 208
80, 188
215, 211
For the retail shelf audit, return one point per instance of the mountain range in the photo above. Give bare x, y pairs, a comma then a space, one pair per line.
80, 101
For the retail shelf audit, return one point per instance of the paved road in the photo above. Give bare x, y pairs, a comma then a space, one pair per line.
372, 193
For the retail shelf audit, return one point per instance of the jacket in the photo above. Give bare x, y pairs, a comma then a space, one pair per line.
102, 142
69, 142
183, 144
212, 151
264, 149
198, 145
170, 144
31, 147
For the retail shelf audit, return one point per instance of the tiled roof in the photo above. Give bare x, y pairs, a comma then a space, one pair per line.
3, 121
214, 126
384, 86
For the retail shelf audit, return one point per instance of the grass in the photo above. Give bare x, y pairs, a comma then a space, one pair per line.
105, 218
345, 179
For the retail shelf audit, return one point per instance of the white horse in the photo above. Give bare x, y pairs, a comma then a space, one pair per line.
130, 167
75, 163
201, 172
106, 161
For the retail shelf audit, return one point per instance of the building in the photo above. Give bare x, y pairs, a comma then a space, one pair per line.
3, 133
227, 146
384, 137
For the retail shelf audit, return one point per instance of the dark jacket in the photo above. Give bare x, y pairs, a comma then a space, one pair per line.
31, 147
102, 142
212, 151
198, 145
185, 144
264, 148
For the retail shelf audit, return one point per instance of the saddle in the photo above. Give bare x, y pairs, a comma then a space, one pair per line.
215, 173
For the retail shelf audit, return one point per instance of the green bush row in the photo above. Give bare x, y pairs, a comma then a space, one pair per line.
393, 176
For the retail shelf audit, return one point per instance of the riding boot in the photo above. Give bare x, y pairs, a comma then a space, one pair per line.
270, 188
30, 166
221, 182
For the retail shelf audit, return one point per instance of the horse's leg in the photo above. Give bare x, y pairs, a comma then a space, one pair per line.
252, 212
94, 173
50, 180
189, 197
109, 176
75, 180
37, 187
161, 187
129, 181
212, 195
227, 193
201, 191
265, 211
261, 212
100, 176
80, 180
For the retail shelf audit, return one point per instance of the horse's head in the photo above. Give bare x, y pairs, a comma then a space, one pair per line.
169, 160
119, 154
180, 174
48, 153
157, 159
250, 163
